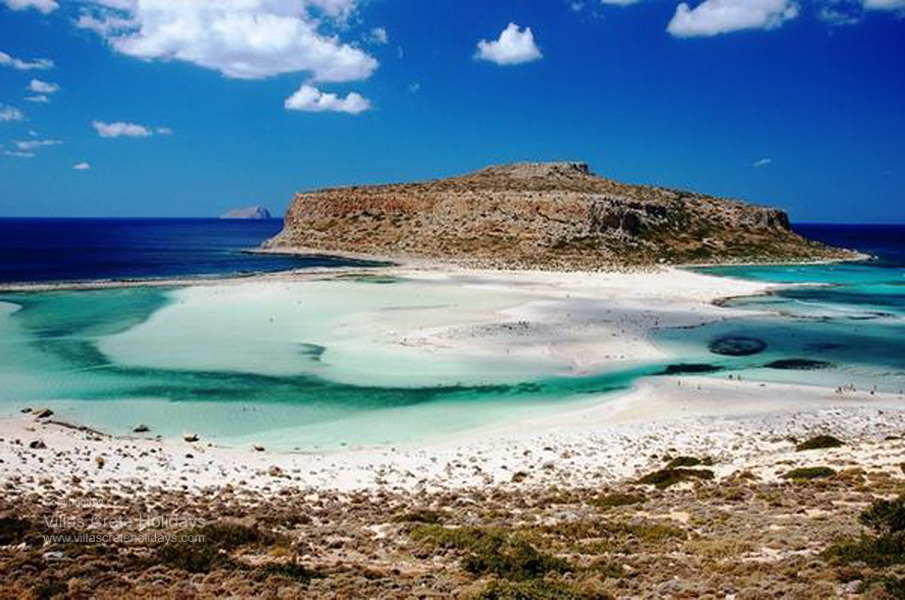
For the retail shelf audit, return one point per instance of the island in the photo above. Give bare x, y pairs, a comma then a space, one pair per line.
247, 212
551, 216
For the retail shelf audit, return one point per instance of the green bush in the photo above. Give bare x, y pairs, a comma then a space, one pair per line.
292, 571
511, 558
491, 551
874, 551
688, 461
819, 442
884, 516
666, 477
535, 589
887, 547
617, 499
13, 530
420, 515
805, 473
211, 552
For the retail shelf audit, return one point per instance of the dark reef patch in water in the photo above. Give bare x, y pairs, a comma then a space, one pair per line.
680, 368
822, 346
798, 364
312, 351
737, 346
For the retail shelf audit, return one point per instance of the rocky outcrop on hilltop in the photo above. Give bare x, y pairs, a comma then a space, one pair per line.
541, 215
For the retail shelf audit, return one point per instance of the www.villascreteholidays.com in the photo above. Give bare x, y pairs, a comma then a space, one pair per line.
141, 529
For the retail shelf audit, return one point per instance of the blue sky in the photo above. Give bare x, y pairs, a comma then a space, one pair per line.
177, 108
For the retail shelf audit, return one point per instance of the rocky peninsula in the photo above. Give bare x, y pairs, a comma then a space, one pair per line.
552, 216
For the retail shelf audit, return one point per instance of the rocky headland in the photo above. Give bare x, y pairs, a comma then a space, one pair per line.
557, 216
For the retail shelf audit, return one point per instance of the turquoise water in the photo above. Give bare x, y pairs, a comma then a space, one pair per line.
50, 355
839, 324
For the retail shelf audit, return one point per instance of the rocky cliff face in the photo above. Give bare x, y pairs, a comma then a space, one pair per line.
541, 215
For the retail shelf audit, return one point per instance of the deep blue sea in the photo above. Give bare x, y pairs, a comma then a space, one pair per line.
42, 250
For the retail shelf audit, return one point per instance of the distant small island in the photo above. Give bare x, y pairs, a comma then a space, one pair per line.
247, 212
551, 216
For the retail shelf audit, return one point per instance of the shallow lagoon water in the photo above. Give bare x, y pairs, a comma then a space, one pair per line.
295, 366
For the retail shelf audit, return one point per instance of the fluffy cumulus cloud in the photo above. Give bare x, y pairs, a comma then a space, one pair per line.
24, 65
9, 113
713, 17
82, 166
310, 99
514, 46
245, 39
45, 6
122, 129
43, 87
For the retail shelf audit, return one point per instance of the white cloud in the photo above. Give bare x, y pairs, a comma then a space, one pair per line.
122, 129
82, 166
840, 12
379, 35
40, 99
32, 145
309, 98
9, 113
884, 4
43, 87
513, 47
245, 39
762, 162
713, 17
25, 65
45, 6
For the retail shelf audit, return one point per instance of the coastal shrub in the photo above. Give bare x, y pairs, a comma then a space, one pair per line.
536, 589
52, 588
13, 530
229, 536
293, 571
874, 551
886, 519
617, 499
819, 442
806, 473
420, 515
492, 551
885, 516
214, 542
194, 558
449, 537
688, 461
667, 477
511, 558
